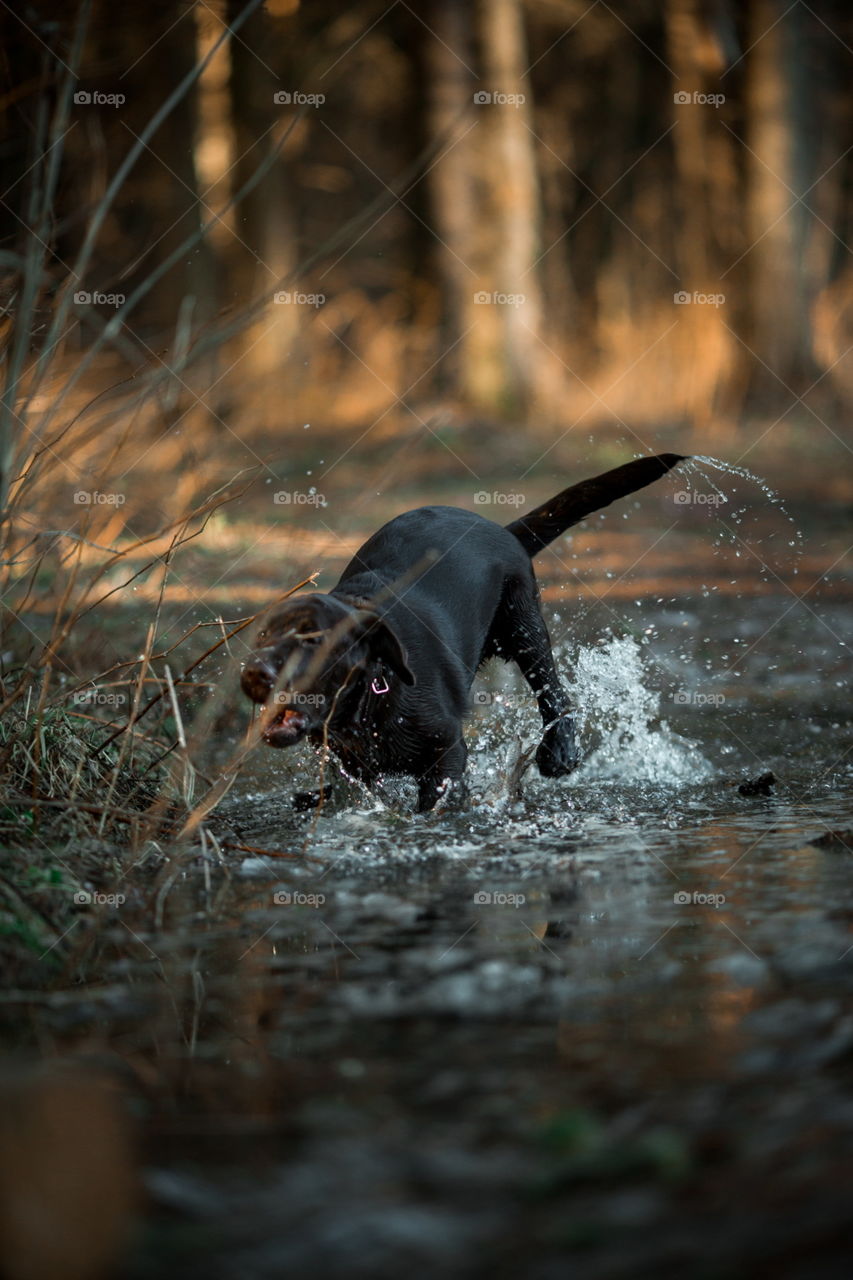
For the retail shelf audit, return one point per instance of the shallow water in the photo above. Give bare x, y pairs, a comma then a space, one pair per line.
602, 1024
582, 1023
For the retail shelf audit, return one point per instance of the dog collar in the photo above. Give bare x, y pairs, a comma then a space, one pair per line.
379, 685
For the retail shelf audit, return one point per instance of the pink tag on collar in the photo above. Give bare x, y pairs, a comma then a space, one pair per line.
377, 688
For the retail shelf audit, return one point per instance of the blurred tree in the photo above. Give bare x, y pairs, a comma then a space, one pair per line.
145, 56
472, 339
265, 247
514, 200
778, 112
486, 200
701, 43
579, 185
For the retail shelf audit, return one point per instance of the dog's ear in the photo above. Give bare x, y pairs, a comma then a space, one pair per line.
385, 644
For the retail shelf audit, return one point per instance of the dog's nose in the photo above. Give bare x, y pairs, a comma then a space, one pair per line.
258, 679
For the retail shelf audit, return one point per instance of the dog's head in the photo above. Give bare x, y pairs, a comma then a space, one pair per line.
308, 658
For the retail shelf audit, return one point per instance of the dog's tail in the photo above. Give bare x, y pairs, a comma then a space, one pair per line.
536, 529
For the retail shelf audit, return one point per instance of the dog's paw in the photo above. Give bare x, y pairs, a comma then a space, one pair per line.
558, 752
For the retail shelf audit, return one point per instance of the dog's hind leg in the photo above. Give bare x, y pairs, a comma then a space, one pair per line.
519, 634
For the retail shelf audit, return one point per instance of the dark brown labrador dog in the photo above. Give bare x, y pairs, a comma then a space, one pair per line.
380, 669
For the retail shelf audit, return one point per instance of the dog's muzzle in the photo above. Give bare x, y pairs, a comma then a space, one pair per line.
283, 723
286, 727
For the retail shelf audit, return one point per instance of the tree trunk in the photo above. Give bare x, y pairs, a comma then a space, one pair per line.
514, 198
263, 252
707, 210
449, 59
777, 223
485, 201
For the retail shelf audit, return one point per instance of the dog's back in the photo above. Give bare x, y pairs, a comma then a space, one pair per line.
443, 572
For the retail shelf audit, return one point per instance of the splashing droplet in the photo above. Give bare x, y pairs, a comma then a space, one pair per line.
700, 462
616, 706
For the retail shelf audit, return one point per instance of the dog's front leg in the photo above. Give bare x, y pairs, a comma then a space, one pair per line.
443, 770
558, 752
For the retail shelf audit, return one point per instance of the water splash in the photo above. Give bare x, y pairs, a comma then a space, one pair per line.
701, 462
618, 709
